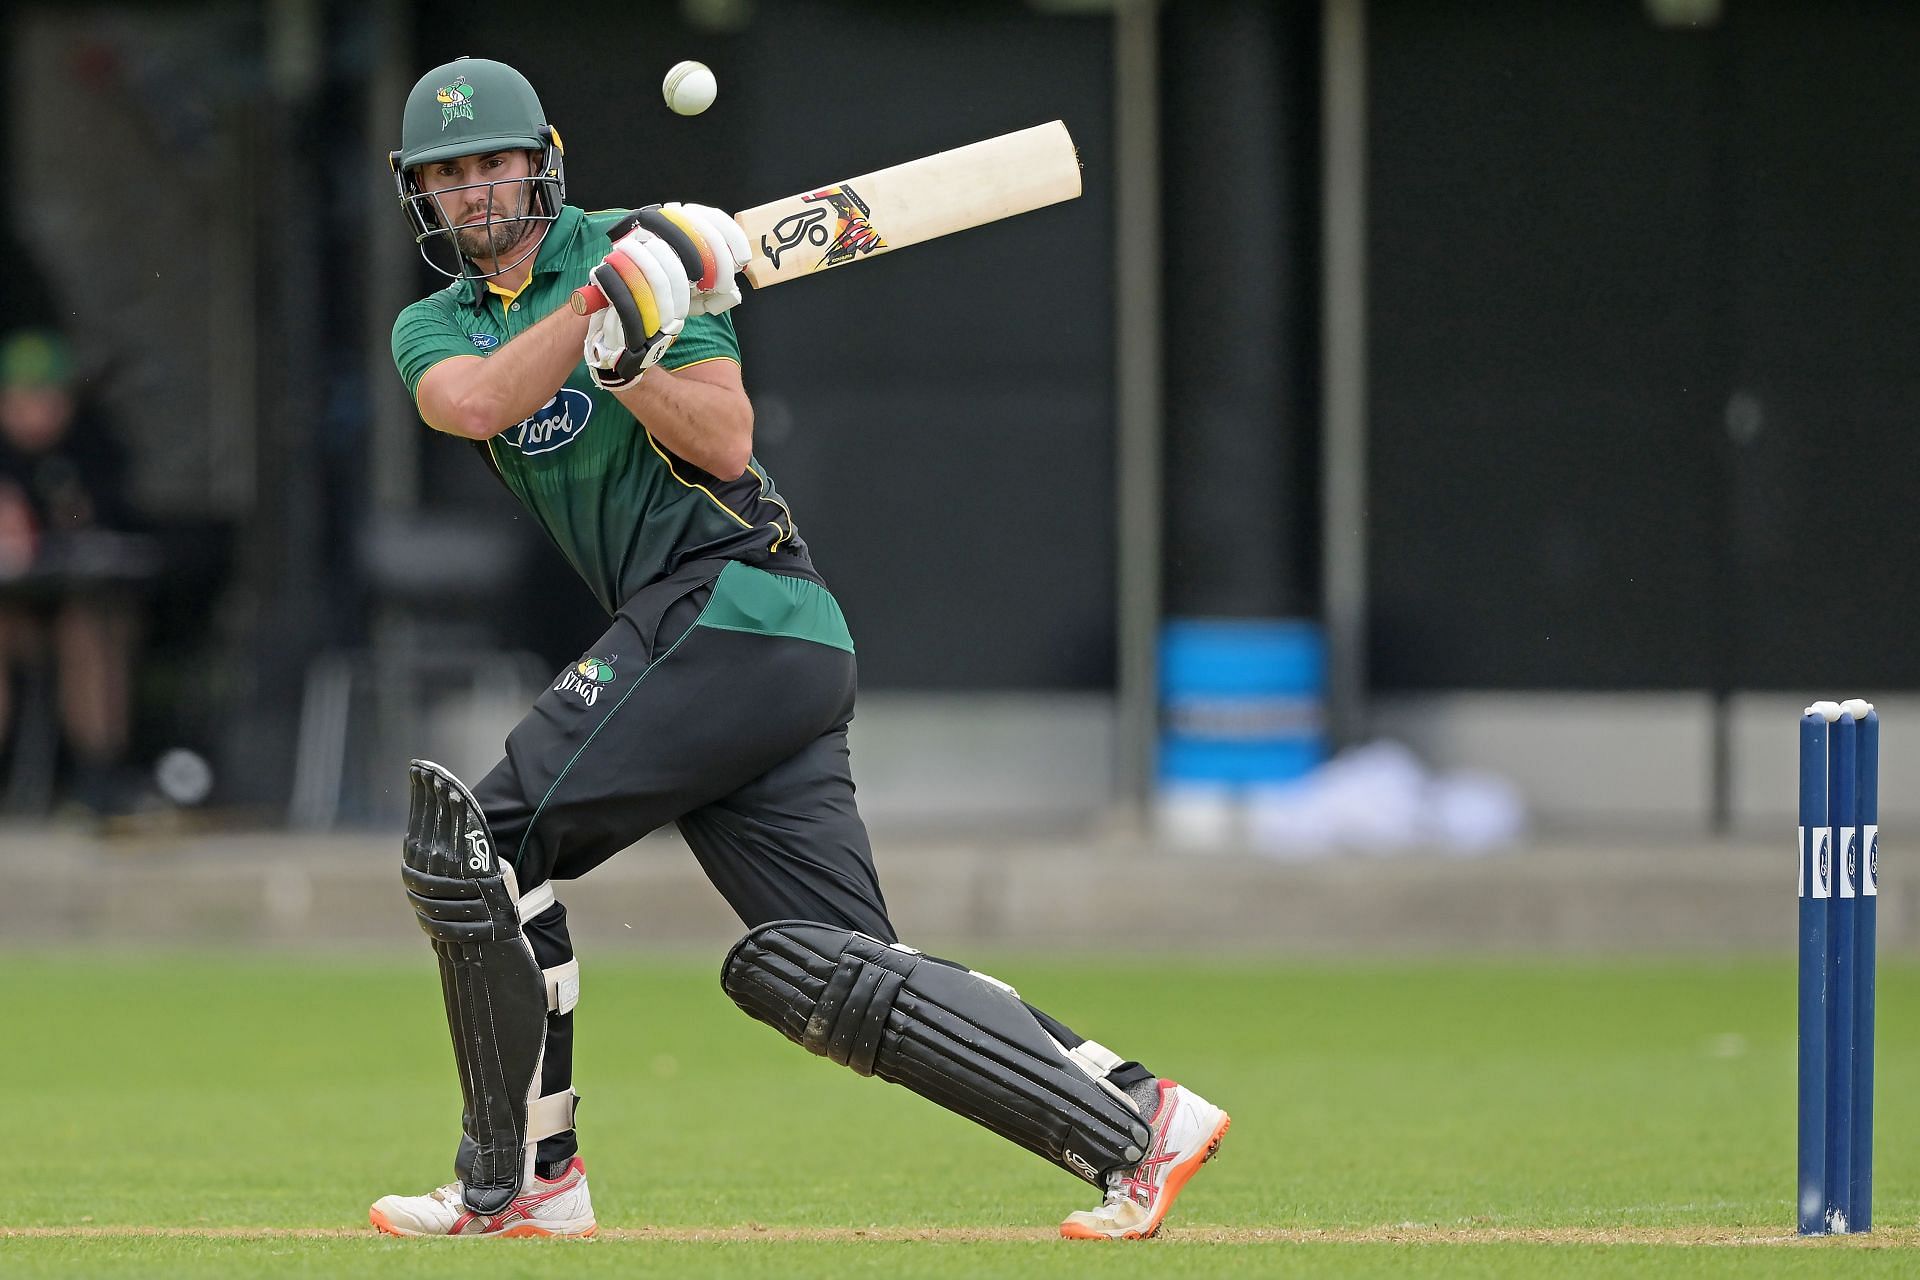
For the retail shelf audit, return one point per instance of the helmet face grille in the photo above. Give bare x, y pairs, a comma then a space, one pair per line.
535, 199
473, 106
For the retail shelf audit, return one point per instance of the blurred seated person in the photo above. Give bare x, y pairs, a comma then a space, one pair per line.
60, 493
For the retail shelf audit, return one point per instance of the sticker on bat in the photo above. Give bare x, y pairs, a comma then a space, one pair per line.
852, 234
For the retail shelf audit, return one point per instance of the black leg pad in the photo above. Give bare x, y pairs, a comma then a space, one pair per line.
950, 1035
495, 994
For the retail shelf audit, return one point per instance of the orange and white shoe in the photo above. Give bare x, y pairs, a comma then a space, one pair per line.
545, 1207
1187, 1130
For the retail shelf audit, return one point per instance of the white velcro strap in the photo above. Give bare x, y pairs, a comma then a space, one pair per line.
989, 978
1095, 1058
550, 1115
535, 902
563, 986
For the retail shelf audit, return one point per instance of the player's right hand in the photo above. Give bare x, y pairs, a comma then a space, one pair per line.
648, 295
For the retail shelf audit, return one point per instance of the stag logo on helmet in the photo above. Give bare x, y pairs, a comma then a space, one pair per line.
456, 102
556, 426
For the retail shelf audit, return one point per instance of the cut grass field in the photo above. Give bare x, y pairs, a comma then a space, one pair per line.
233, 1115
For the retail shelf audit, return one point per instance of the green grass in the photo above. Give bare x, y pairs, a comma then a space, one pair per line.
257, 1090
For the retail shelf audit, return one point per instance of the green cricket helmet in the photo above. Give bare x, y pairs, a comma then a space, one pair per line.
473, 106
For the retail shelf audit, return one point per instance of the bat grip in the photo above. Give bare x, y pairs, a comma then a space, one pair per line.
587, 299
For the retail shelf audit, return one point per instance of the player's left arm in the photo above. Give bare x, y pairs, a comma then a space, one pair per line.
701, 413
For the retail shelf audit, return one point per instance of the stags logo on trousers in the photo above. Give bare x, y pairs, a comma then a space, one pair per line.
586, 678
556, 426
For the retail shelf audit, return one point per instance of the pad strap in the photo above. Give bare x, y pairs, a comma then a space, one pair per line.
950, 1035
534, 902
550, 1115
1098, 1062
851, 1015
1094, 1058
563, 986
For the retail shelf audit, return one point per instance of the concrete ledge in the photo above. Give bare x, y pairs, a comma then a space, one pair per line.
1080, 894
957, 760
1618, 760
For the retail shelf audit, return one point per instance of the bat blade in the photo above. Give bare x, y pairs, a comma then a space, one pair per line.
922, 199
888, 209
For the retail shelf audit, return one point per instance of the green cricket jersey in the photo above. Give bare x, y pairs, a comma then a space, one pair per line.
621, 507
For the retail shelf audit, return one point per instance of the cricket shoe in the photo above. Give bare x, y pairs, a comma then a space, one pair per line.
545, 1207
1187, 1130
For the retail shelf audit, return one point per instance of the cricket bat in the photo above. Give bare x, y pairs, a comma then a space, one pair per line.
890, 209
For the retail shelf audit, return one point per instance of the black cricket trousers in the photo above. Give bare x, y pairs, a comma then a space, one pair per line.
719, 701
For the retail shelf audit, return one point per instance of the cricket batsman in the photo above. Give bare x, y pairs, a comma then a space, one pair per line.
717, 699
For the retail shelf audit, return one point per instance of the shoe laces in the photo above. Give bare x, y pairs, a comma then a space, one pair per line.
1141, 1183
1121, 1184
1119, 1202
449, 1194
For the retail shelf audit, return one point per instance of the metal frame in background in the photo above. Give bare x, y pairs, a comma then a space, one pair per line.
1139, 388
1343, 362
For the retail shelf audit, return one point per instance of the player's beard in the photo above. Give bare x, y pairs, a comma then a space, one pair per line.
487, 244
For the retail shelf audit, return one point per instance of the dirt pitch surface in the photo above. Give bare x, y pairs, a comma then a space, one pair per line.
1404, 1233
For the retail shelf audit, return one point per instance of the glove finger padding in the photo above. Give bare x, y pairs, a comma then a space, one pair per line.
707, 271
682, 239
648, 292
666, 285
728, 245
629, 293
678, 291
726, 230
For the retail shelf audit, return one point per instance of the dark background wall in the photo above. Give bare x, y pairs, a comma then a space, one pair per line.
1641, 313
1240, 94
1641, 321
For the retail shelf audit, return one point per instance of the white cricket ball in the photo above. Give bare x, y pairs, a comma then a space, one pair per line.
690, 88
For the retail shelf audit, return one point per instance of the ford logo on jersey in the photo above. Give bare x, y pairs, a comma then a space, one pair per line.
556, 426
484, 341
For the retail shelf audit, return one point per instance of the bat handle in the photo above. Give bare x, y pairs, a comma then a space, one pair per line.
587, 299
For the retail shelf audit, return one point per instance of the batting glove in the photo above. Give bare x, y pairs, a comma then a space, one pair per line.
727, 246
648, 293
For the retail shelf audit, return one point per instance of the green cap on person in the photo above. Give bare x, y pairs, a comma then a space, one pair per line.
35, 358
